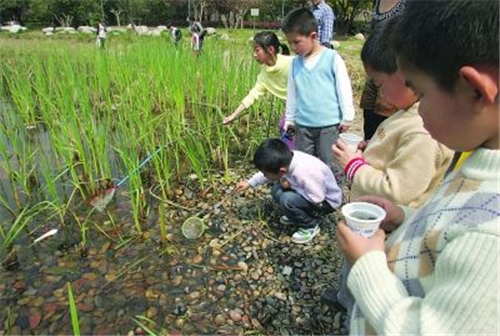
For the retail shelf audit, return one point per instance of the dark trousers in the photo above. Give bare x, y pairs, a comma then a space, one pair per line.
298, 209
344, 295
371, 120
317, 141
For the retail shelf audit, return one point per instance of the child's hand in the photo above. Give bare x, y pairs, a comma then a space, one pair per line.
285, 184
229, 119
288, 125
342, 154
343, 127
355, 246
394, 214
362, 145
241, 186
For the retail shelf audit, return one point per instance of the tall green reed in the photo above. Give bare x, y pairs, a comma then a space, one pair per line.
75, 323
103, 112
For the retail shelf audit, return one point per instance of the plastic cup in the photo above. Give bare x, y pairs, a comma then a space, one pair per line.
351, 140
193, 228
363, 218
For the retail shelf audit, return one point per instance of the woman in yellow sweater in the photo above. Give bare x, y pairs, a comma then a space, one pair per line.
275, 65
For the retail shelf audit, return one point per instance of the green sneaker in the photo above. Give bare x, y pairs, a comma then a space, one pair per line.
303, 236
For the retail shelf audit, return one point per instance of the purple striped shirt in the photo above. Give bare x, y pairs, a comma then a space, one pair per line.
309, 177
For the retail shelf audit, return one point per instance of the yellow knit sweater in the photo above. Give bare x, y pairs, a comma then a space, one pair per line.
405, 164
271, 79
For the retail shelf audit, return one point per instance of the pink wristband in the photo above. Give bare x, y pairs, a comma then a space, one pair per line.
350, 163
353, 166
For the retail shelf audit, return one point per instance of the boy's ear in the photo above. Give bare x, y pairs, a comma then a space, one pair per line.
314, 35
484, 82
283, 170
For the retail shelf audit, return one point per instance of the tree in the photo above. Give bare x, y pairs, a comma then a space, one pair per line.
236, 10
116, 13
154, 12
14, 10
346, 11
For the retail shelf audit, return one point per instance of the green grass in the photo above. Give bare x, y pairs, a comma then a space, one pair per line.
98, 113
73, 311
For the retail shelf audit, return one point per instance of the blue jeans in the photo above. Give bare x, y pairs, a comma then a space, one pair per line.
298, 209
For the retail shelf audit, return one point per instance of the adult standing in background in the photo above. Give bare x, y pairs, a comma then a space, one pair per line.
325, 18
197, 36
375, 108
101, 34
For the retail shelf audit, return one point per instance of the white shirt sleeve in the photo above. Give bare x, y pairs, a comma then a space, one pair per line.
291, 99
344, 90
257, 179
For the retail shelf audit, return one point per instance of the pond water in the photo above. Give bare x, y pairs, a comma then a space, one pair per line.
229, 281
242, 276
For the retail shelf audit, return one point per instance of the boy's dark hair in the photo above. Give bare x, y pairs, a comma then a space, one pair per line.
271, 155
377, 52
439, 37
300, 21
267, 39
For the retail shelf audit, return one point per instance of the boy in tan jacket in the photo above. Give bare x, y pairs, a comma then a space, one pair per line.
402, 162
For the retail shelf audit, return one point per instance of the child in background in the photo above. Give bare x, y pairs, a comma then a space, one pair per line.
101, 34
319, 99
273, 76
175, 34
304, 187
402, 162
437, 273
197, 37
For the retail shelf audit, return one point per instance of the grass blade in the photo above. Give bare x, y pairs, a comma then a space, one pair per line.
73, 311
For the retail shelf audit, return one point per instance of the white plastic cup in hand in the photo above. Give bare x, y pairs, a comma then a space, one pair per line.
351, 140
363, 218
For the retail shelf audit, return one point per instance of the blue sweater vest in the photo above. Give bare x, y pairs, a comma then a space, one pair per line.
316, 92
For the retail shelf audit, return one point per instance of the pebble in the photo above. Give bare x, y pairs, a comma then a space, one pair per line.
277, 288
235, 315
216, 253
180, 309
280, 296
243, 265
287, 270
194, 295
220, 319
37, 302
197, 259
152, 312
177, 280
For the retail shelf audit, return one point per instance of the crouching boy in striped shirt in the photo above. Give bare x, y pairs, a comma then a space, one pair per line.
304, 186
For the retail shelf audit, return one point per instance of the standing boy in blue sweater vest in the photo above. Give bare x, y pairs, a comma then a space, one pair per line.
319, 99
